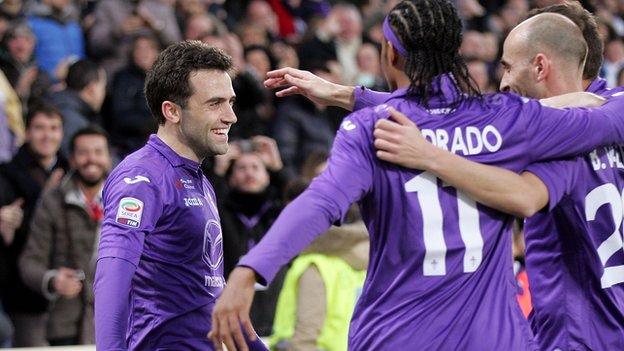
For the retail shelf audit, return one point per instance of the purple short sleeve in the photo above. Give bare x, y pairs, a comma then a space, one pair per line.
132, 206
558, 176
364, 97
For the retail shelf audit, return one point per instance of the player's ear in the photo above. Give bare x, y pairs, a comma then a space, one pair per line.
541, 67
171, 111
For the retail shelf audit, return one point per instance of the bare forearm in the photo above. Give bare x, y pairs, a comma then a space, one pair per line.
492, 186
343, 96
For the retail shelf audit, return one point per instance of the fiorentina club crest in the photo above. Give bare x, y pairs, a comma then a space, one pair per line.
212, 254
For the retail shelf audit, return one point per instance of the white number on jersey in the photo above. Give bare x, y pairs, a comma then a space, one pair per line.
425, 185
608, 194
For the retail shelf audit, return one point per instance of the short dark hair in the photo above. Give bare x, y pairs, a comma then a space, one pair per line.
43, 108
586, 22
81, 73
168, 80
89, 130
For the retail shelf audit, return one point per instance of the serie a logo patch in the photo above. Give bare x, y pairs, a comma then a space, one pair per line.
129, 212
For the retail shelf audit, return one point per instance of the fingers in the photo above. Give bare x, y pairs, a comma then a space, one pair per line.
388, 125
278, 73
381, 134
224, 333
246, 323
18, 203
239, 338
288, 92
400, 117
385, 145
292, 80
273, 83
215, 332
387, 156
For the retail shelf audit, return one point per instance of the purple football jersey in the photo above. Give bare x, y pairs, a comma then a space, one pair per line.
571, 311
160, 215
440, 275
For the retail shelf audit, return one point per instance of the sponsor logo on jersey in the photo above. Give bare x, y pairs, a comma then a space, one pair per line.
129, 212
348, 125
136, 179
213, 245
193, 201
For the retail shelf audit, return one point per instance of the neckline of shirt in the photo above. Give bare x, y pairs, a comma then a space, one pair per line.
173, 157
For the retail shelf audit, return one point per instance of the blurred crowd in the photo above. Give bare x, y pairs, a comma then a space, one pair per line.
72, 106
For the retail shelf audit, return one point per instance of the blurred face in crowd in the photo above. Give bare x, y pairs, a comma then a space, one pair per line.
260, 13
614, 51
259, 61
472, 45
350, 24
478, 71
91, 158
249, 174
214, 41
44, 135
145, 53
57, 5
368, 59
208, 115
21, 47
196, 26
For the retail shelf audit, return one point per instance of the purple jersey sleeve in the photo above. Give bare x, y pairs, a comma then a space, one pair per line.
113, 278
364, 97
132, 205
347, 178
558, 176
555, 133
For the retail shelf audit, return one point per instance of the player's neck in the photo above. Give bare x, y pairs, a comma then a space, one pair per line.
169, 136
565, 86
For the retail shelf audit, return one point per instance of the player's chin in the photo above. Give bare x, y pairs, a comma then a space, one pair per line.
221, 148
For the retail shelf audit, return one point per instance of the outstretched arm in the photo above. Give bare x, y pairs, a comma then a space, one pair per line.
294, 81
401, 143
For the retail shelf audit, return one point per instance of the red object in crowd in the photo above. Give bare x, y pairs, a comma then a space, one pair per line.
285, 19
524, 294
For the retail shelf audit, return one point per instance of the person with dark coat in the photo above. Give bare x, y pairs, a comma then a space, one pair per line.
131, 121
38, 165
81, 101
59, 258
251, 175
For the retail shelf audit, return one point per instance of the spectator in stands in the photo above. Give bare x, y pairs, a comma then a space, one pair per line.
369, 68
478, 70
303, 127
613, 60
10, 219
117, 22
18, 64
11, 121
81, 100
59, 36
58, 260
336, 38
251, 205
322, 284
131, 121
260, 14
259, 60
38, 165
13, 10
202, 23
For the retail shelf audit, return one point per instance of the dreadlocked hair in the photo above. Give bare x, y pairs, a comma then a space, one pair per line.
431, 32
